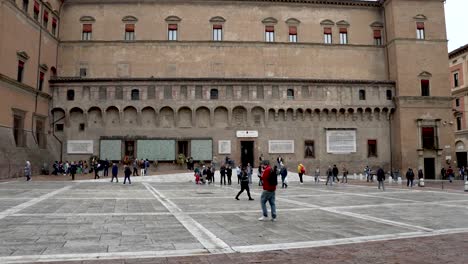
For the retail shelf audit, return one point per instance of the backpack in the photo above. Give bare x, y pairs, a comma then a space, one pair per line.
273, 178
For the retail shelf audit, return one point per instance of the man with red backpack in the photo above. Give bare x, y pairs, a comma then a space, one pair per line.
300, 171
270, 180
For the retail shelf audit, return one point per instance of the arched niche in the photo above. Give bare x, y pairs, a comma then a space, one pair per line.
166, 115
258, 115
239, 116
130, 116
221, 117
203, 117
184, 116
112, 116
76, 118
148, 117
94, 117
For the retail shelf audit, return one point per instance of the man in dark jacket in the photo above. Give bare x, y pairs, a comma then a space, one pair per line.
106, 168
222, 172
73, 169
244, 185
409, 178
335, 173
115, 171
229, 174
329, 176
127, 173
381, 178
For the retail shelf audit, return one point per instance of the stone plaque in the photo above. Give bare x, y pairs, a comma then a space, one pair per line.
224, 147
247, 133
80, 146
341, 141
280, 146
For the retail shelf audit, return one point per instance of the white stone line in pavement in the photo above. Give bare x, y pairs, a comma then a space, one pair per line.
4, 182
101, 198
344, 241
89, 214
103, 256
31, 202
370, 195
379, 220
249, 211
210, 241
394, 205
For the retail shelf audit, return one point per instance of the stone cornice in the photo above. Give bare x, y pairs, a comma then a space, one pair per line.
458, 52
424, 101
61, 80
352, 3
23, 87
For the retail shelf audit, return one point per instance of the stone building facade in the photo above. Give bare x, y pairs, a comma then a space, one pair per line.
458, 62
349, 82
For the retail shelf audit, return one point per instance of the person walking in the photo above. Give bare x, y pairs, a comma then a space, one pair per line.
381, 178
300, 171
409, 178
142, 167
222, 172
135, 167
284, 177
229, 174
420, 176
106, 168
27, 170
244, 184
329, 176
368, 174
238, 171
317, 175
147, 164
450, 173
96, 170
249, 172
335, 173
127, 173
73, 169
213, 170
270, 180
115, 171
259, 174
345, 176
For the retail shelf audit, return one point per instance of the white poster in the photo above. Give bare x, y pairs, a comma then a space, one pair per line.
80, 146
247, 133
280, 146
224, 147
341, 141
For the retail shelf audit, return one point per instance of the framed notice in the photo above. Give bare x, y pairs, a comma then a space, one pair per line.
80, 146
341, 141
280, 146
224, 147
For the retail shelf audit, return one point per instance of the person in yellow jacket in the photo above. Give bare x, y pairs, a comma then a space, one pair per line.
300, 171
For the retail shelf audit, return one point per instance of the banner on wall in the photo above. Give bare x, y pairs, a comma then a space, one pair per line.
341, 141
80, 146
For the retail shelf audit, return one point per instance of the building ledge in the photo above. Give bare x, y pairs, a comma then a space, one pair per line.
24, 87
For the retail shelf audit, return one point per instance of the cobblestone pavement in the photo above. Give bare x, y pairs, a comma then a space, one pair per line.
156, 218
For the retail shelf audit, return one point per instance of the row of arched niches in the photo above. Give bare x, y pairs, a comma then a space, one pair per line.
220, 116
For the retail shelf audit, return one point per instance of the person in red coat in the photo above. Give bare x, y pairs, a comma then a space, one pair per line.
270, 180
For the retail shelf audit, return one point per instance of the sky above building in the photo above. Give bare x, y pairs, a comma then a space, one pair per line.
456, 12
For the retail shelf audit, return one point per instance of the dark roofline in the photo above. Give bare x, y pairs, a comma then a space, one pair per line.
459, 51
373, 3
63, 80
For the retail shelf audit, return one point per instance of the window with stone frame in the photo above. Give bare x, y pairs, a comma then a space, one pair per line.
290, 94
45, 19
425, 88
70, 95
455, 79
129, 32
270, 33
372, 148
118, 93
167, 92
199, 92
135, 95
420, 33
214, 94
292, 34
377, 37
172, 32
40, 133
428, 137
389, 95
327, 35
309, 149
87, 31
18, 128
25, 6
54, 26
362, 94
459, 123
20, 74
83, 72
41, 80
343, 36
217, 32
457, 102
36, 10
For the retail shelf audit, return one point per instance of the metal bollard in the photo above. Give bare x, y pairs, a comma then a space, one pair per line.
421, 182
466, 186
399, 180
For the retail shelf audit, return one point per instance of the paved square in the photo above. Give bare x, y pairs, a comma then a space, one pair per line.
169, 215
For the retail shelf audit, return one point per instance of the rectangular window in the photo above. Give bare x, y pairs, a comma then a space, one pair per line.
25, 5
167, 92
198, 92
54, 26
41, 80
36, 10
40, 135
292, 34
343, 36
45, 19
119, 93
214, 94
372, 148
428, 137
130, 32
19, 77
327, 35
260, 92
275, 92
172, 32
309, 149
58, 127
378, 37
459, 123
269, 33
70, 95
82, 127
362, 95
18, 131
87, 32
217, 32
455, 79
83, 72
389, 95
425, 89
420, 30
457, 102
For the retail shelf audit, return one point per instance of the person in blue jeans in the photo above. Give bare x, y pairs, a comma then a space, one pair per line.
268, 194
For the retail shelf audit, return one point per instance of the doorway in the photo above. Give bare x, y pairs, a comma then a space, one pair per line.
130, 149
461, 159
247, 153
429, 168
182, 147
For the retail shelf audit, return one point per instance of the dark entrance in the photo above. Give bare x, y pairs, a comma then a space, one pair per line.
182, 147
247, 153
429, 168
130, 149
461, 159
